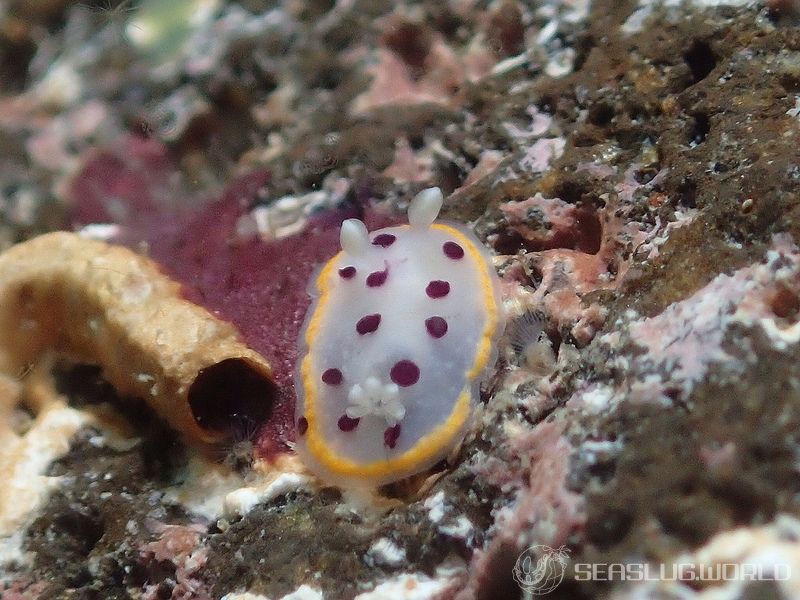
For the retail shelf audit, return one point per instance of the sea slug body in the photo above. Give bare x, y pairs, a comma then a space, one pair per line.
399, 336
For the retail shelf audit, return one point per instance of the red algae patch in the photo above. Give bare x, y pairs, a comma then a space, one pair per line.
258, 286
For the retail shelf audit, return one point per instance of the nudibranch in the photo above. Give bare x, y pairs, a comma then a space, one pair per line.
400, 333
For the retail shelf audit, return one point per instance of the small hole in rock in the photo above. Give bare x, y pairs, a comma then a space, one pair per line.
700, 59
589, 230
601, 114
687, 193
790, 82
411, 42
82, 529
700, 128
16, 54
785, 303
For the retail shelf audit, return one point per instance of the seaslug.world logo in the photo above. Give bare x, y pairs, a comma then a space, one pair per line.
540, 569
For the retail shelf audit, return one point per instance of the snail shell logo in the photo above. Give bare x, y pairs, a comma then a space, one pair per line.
540, 569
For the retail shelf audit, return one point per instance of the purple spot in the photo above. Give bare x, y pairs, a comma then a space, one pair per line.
404, 373
378, 278
347, 424
390, 435
368, 324
437, 288
384, 240
436, 326
453, 250
347, 272
302, 425
332, 377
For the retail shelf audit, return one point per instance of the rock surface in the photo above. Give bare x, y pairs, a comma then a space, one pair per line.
634, 166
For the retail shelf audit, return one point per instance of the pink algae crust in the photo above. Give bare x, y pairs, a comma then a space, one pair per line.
543, 510
182, 546
576, 250
258, 286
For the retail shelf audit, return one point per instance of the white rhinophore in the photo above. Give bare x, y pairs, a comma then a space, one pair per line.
354, 237
425, 207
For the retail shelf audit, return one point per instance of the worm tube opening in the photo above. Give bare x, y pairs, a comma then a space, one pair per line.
232, 394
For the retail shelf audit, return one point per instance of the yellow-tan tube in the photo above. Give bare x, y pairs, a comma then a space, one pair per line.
106, 305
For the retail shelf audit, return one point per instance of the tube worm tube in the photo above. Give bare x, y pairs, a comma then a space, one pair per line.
106, 305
